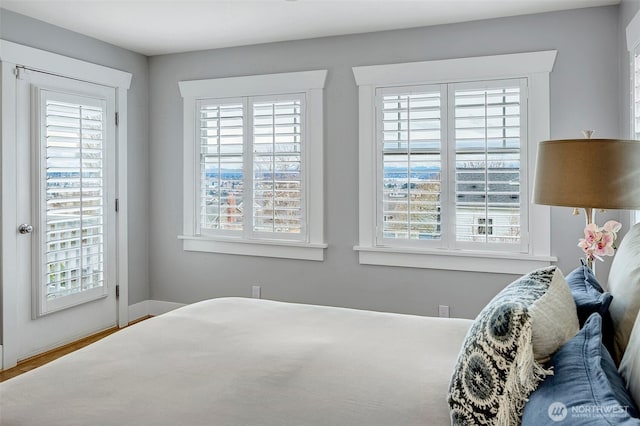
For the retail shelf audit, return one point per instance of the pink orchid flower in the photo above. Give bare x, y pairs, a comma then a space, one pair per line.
612, 227
591, 234
599, 242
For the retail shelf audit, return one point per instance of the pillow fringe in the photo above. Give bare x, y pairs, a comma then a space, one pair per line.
522, 379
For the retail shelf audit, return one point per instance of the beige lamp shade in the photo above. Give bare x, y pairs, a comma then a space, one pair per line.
590, 173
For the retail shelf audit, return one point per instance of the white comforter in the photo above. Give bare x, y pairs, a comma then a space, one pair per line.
237, 361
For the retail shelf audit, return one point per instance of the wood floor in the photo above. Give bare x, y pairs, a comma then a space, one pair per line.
44, 358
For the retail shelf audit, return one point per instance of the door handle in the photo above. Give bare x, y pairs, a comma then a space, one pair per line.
25, 228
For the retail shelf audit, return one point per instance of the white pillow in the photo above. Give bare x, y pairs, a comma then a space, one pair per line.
624, 286
630, 365
554, 318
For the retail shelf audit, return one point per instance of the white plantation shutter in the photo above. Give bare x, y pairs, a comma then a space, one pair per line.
221, 166
470, 133
72, 153
251, 168
410, 204
488, 139
277, 167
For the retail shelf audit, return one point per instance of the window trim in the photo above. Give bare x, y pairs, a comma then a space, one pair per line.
535, 66
634, 55
633, 46
311, 85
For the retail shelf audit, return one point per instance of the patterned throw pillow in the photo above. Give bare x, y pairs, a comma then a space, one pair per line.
499, 363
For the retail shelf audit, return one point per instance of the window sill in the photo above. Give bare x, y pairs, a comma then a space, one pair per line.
458, 260
263, 248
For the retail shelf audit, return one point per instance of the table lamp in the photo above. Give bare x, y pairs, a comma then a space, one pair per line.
589, 174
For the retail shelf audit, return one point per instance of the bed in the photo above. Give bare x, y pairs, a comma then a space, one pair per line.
236, 361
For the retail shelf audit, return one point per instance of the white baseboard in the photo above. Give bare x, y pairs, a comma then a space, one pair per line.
151, 307
159, 307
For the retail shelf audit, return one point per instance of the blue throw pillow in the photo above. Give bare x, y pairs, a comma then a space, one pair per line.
585, 388
590, 297
587, 293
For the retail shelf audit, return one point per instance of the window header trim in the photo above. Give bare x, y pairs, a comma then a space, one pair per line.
633, 33
452, 70
254, 85
52, 63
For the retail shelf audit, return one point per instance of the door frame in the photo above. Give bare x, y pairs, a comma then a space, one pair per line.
12, 55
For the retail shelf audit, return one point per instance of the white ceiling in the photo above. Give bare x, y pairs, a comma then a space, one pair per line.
154, 27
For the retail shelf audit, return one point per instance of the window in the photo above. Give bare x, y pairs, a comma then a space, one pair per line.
447, 159
253, 165
485, 140
410, 121
76, 183
269, 143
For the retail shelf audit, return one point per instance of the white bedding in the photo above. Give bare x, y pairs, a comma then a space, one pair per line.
235, 361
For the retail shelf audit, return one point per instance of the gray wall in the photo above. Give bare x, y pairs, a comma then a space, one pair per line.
586, 92
584, 95
30, 32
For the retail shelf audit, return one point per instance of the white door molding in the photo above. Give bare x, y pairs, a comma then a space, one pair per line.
12, 57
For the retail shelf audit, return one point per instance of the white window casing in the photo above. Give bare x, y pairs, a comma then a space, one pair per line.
633, 46
280, 121
527, 71
635, 106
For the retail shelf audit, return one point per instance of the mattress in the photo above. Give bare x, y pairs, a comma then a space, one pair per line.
235, 361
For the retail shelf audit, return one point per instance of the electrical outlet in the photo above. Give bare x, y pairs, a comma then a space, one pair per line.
255, 292
443, 311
